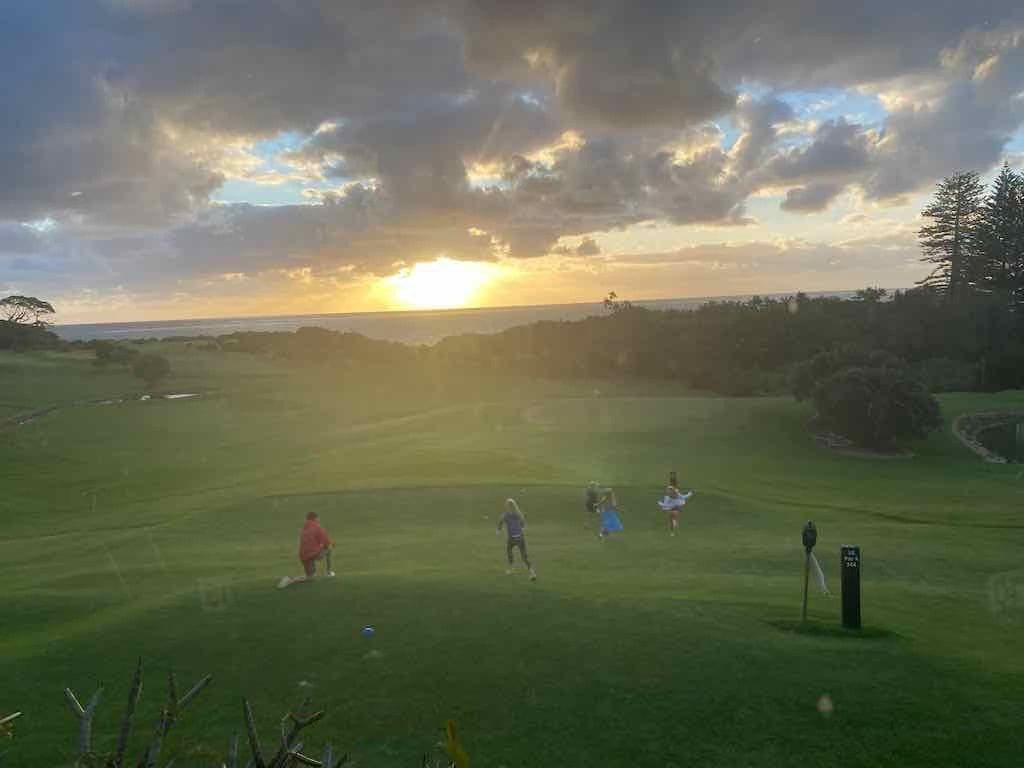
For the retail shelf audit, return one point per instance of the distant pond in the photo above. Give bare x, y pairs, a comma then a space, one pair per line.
1005, 438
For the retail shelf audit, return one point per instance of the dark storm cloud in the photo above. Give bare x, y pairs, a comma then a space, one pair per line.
837, 149
967, 125
73, 144
422, 158
813, 197
613, 65
808, 43
838, 153
261, 66
759, 120
613, 182
119, 113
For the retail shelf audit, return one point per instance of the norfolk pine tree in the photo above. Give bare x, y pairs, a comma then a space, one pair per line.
1002, 239
950, 239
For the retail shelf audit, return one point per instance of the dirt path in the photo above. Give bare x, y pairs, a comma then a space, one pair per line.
21, 419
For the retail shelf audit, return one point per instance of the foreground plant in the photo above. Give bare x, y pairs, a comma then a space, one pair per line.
288, 753
169, 715
7, 729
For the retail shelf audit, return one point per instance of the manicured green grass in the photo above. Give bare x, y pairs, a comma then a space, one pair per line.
159, 529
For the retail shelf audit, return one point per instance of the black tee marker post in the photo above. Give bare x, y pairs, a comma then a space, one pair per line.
809, 538
849, 556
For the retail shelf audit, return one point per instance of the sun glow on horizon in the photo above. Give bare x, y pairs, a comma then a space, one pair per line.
441, 284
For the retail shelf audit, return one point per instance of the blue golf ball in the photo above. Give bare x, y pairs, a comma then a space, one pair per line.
368, 631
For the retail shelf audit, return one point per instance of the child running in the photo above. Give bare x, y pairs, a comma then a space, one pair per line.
610, 522
592, 502
314, 545
514, 522
672, 503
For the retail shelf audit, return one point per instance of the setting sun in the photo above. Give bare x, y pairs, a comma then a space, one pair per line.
441, 284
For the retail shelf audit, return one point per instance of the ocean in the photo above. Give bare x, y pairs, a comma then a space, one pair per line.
412, 327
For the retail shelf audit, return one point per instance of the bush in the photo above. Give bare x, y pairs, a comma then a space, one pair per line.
21, 337
807, 375
874, 407
151, 368
110, 353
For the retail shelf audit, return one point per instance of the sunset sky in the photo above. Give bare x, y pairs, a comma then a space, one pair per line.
176, 158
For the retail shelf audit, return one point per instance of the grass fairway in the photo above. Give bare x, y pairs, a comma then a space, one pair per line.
160, 528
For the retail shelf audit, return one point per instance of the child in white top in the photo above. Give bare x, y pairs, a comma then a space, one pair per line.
672, 503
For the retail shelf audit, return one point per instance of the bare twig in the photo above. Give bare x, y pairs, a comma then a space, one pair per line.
172, 691
169, 716
84, 715
194, 691
288, 755
232, 761
328, 759
254, 738
6, 722
288, 739
129, 714
298, 757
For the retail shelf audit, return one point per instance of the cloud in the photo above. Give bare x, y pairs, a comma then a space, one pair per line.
965, 121
813, 197
759, 119
586, 247
610, 65
421, 158
477, 129
792, 257
837, 150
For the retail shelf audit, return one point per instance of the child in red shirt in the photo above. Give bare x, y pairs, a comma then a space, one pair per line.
314, 544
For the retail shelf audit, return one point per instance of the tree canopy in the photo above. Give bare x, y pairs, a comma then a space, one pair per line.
26, 310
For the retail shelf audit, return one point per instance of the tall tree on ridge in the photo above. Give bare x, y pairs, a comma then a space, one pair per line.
1002, 238
950, 240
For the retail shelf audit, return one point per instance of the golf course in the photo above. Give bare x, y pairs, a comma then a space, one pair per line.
159, 529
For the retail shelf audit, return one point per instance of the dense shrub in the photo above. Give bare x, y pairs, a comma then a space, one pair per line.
807, 375
875, 407
112, 353
151, 368
21, 337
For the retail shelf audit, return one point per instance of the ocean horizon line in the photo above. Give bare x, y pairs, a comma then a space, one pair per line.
455, 310
413, 326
